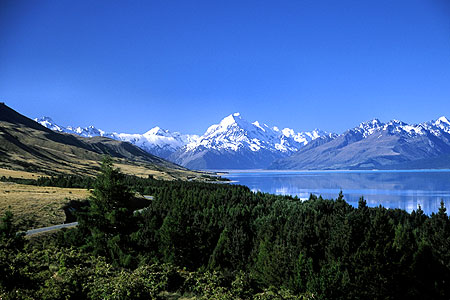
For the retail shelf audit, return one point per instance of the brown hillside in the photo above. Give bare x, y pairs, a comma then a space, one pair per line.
27, 146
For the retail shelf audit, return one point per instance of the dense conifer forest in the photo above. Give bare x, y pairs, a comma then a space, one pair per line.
218, 241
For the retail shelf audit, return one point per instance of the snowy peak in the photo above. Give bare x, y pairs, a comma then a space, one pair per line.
49, 123
440, 124
396, 123
377, 145
395, 127
89, 131
231, 120
443, 119
236, 143
302, 137
369, 127
234, 133
158, 131
44, 120
374, 123
157, 141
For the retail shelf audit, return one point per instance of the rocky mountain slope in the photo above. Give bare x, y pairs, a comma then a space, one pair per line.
233, 143
377, 145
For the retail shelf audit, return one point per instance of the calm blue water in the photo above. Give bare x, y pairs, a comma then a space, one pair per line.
391, 189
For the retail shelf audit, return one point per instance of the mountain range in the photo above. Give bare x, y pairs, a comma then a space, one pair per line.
235, 143
377, 145
30, 148
156, 141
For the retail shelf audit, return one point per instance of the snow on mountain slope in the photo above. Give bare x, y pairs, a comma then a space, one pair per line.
237, 143
48, 123
374, 144
90, 131
255, 144
434, 127
156, 141
234, 133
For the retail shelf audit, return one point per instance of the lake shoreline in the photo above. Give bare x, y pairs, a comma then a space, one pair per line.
231, 171
403, 189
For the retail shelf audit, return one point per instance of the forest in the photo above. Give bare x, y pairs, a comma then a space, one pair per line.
199, 240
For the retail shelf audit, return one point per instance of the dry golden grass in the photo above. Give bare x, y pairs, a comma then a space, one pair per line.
86, 167
35, 206
19, 174
161, 174
140, 171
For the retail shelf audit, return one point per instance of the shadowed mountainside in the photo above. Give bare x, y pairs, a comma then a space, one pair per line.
28, 146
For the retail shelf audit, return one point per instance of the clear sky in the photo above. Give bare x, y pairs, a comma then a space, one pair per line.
183, 65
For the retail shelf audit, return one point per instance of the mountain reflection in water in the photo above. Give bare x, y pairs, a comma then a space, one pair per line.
391, 189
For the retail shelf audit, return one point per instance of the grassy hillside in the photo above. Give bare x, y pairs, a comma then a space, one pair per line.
37, 206
26, 146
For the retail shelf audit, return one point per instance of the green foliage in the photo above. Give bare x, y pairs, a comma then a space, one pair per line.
109, 221
214, 241
281, 294
11, 243
10, 238
145, 282
63, 181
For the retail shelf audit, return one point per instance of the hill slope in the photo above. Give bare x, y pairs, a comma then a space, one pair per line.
156, 141
28, 146
377, 145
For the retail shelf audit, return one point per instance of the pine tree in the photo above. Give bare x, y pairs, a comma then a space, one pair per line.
109, 220
11, 242
10, 238
340, 196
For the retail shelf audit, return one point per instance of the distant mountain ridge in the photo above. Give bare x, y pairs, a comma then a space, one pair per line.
28, 146
156, 141
232, 143
377, 145
235, 143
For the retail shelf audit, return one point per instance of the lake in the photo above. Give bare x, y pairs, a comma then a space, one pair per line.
403, 189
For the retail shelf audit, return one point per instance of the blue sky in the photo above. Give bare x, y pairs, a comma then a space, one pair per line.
183, 65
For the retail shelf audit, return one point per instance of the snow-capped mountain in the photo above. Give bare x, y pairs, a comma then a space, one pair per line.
89, 131
235, 143
156, 141
48, 123
234, 133
377, 145
232, 143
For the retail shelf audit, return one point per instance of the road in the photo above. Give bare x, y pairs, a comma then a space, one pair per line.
68, 225
50, 228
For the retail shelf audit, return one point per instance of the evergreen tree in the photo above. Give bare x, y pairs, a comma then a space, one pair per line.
109, 221
11, 242
10, 238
